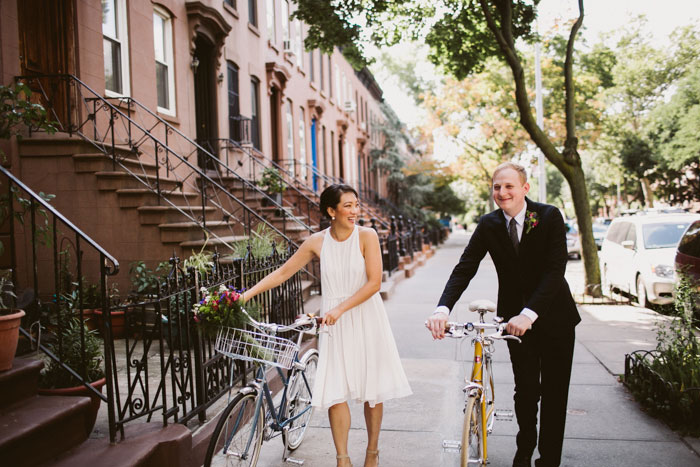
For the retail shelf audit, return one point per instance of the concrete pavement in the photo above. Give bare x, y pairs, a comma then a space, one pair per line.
605, 426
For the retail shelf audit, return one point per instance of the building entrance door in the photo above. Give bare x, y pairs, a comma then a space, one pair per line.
205, 101
42, 23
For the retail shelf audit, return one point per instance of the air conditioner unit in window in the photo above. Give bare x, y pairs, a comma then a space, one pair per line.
288, 47
349, 106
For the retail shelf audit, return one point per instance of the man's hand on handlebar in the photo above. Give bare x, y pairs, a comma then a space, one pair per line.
518, 325
436, 324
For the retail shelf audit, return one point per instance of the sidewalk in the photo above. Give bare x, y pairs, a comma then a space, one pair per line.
605, 426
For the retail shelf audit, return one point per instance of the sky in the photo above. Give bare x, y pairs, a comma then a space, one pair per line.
600, 16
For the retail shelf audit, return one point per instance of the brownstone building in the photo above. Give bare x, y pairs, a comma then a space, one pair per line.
210, 72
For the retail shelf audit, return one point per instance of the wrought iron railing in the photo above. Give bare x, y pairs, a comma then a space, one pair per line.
184, 175
59, 275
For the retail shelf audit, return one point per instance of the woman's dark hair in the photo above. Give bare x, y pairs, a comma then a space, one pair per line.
331, 197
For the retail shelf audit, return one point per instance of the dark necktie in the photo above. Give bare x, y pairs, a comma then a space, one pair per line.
513, 232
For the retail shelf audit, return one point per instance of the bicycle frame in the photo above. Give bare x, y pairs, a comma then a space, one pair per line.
481, 371
261, 387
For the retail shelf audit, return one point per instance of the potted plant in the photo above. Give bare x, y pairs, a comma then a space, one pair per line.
56, 381
272, 183
117, 311
9, 324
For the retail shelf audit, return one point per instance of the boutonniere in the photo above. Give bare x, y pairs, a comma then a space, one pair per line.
531, 220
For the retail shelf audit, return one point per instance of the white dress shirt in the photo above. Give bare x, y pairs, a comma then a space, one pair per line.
520, 223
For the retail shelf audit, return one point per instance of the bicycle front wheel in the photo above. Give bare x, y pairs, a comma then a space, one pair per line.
299, 404
472, 434
237, 438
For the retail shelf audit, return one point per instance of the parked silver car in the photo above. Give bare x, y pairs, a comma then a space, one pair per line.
638, 253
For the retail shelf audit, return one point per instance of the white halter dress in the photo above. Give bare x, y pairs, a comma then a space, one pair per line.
358, 356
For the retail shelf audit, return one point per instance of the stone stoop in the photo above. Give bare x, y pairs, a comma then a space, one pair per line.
146, 445
388, 286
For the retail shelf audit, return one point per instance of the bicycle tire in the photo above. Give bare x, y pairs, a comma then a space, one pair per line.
300, 399
227, 435
472, 434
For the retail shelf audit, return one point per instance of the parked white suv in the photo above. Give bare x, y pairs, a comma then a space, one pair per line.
638, 253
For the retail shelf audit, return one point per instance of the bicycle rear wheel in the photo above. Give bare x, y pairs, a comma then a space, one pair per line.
237, 438
472, 434
300, 400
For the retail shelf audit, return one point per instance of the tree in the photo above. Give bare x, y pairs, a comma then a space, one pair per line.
468, 34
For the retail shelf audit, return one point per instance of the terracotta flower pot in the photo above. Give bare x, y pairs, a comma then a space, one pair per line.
9, 334
81, 391
118, 322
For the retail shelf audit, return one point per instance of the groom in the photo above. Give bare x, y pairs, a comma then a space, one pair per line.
527, 243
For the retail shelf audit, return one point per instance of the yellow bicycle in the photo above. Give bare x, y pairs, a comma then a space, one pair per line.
479, 408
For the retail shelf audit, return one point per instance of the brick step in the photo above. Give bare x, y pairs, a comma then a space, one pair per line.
155, 215
61, 144
119, 180
289, 221
38, 428
146, 444
178, 232
135, 197
20, 381
98, 162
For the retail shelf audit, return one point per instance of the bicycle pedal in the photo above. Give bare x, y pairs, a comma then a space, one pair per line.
451, 445
504, 414
292, 460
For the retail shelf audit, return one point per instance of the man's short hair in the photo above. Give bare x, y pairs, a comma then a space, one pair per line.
511, 165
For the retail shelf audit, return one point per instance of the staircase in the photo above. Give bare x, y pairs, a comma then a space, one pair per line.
53, 430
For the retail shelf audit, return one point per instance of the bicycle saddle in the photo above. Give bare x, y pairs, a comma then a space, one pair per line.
482, 305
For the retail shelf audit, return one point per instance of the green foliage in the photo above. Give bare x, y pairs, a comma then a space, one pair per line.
22, 206
69, 350
271, 181
678, 358
7, 294
461, 41
18, 112
146, 281
262, 241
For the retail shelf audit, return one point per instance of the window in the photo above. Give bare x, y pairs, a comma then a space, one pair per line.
332, 153
320, 69
285, 20
231, 3
323, 150
302, 143
234, 109
298, 45
115, 43
253, 12
311, 66
271, 23
290, 137
254, 112
330, 80
344, 90
165, 74
338, 89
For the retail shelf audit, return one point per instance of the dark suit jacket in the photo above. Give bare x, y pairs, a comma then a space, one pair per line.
532, 278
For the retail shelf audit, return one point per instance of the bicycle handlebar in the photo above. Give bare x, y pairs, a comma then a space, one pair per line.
459, 330
273, 328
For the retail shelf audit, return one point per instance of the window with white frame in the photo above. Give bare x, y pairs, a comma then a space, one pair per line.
271, 23
302, 143
115, 43
285, 20
299, 44
338, 89
165, 65
290, 137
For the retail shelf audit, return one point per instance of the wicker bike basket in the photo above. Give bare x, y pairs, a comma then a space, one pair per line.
252, 346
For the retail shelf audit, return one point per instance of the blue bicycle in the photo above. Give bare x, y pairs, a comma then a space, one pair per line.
252, 417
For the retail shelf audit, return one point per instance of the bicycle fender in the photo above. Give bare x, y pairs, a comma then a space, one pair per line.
247, 390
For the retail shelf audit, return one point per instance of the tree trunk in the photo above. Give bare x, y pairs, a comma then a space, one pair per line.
589, 250
648, 193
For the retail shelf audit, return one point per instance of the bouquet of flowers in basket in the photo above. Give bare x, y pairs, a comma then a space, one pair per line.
222, 307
